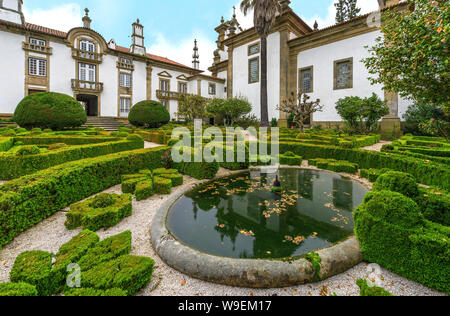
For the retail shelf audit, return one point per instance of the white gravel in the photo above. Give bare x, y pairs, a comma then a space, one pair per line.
51, 233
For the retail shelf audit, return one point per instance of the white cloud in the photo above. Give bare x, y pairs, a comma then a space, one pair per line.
182, 51
62, 18
330, 19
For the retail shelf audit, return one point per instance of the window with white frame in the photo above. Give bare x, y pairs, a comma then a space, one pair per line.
87, 46
37, 67
36, 41
212, 88
164, 85
125, 105
182, 87
125, 60
87, 72
125, 80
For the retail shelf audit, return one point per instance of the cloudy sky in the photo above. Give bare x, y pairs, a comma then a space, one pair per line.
171, 25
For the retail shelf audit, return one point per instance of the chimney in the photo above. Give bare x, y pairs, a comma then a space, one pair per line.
137, 39
11, 11
387, 3
196, 56
86, 19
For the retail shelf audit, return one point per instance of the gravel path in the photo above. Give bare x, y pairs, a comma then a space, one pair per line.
377, 147
50, 234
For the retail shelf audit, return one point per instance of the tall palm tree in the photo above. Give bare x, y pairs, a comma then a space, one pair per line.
265, 14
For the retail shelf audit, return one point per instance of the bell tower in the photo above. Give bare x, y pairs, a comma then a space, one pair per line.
11, 11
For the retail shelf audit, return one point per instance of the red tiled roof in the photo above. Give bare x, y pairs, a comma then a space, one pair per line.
155, 57
41, 29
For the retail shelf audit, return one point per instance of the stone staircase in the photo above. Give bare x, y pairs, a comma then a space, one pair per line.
109, 124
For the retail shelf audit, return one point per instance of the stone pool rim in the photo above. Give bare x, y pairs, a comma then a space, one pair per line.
250, 273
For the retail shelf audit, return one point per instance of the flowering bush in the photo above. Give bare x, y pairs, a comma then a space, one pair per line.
436, 127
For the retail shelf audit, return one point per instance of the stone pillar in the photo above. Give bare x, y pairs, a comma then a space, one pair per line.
390, 125
230, 73
284, 73
149, 81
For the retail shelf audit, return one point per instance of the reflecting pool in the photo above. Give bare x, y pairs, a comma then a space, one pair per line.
240, 217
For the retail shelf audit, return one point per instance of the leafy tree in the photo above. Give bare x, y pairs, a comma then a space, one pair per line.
346, 10
264, 15
419, 113
192, 107
412, 58
230, 111
362, 115
302, 110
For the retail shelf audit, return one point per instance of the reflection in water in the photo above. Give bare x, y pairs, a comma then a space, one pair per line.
240, 217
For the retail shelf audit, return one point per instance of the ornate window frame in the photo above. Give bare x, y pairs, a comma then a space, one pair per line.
249, 70
335, 75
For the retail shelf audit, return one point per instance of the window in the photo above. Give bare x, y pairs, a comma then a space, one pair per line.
38, 42
306, 80
212, 89
253, 70
125, 61
125, 105
87, 72
343, 74
37, 67
253, 49
165, 103
125, 80
87, 46
182, 87
164, 85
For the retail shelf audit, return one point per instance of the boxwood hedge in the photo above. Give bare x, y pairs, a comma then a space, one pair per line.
26, 201
14, 165
17, 289
393, 233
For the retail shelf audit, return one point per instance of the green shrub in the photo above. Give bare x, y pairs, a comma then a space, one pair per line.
163, 171
87, 292
366, 290
27, 201
28, 151
104, 210
162, 185
49, 110
57, 146
372, 174
198, 170
129, 273
144, 190
70, 253
106, 250
426, 172
435, 205
6, 144
13, 166
393, 233
17, 289
290, 159
129, 185
400, 182
34, 267
343, 166
148, 114
176, 179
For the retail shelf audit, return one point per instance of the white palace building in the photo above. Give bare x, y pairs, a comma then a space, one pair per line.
109, 79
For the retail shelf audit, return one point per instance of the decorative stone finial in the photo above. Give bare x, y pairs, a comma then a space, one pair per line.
316, 26
86, 19
285, 5
222, 20
195, 56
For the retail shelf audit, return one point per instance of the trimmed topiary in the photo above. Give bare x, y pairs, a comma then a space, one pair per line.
367, 290
49, 110
144, 190
435, 205
343, 166
88, 292
149, 114
28, 151
106, 250
103, 210
393, 233
163, 171
17, 289
34, 267
290, 159
162, 185
400, 182
129, 273
176, 179
70, 253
